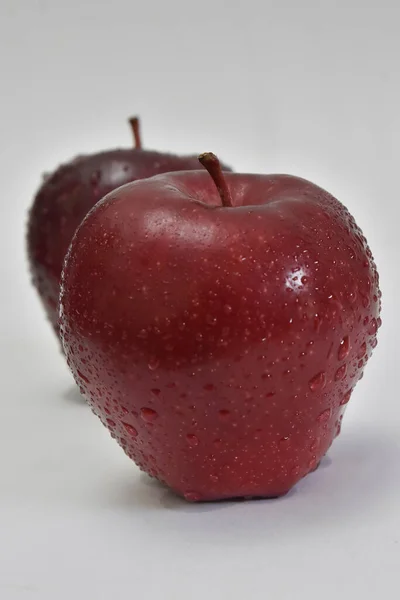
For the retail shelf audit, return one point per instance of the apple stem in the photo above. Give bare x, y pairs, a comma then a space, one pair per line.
135, 125
213, 166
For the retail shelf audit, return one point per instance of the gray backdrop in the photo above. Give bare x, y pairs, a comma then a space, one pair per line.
307, 87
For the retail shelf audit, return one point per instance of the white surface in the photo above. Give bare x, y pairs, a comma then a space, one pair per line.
311, 88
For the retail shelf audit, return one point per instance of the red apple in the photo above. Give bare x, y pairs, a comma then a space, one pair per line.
70, 192
219, 335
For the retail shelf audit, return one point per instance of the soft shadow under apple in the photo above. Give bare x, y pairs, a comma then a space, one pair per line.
73, 395
355, 479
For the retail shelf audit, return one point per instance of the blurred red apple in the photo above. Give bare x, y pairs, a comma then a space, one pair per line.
219, 335
67, 195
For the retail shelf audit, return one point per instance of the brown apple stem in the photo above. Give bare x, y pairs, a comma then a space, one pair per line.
135, 125
213, 166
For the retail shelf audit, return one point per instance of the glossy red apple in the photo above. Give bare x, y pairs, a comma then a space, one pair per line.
70, 192
219, 335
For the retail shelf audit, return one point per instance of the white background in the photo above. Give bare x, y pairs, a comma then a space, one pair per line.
307, 87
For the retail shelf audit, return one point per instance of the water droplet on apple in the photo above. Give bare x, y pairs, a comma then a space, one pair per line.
285, 442
227, 309
130, 429
352, 296
324, 416
314, 445
153, 364
192, 440
148, 414
346, 398
214, 478
365, 301
209, 387
317, 323
111, 423
341, 373
373, 327
192, 496
224, 414
82, 376
156, 392
211, 320
317, 382
362, 351
344, 348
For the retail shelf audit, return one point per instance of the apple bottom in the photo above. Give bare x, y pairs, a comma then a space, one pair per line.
211, 436
213, 454
230, 485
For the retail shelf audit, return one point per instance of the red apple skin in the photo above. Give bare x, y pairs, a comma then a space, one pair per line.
220, 345
66, 197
